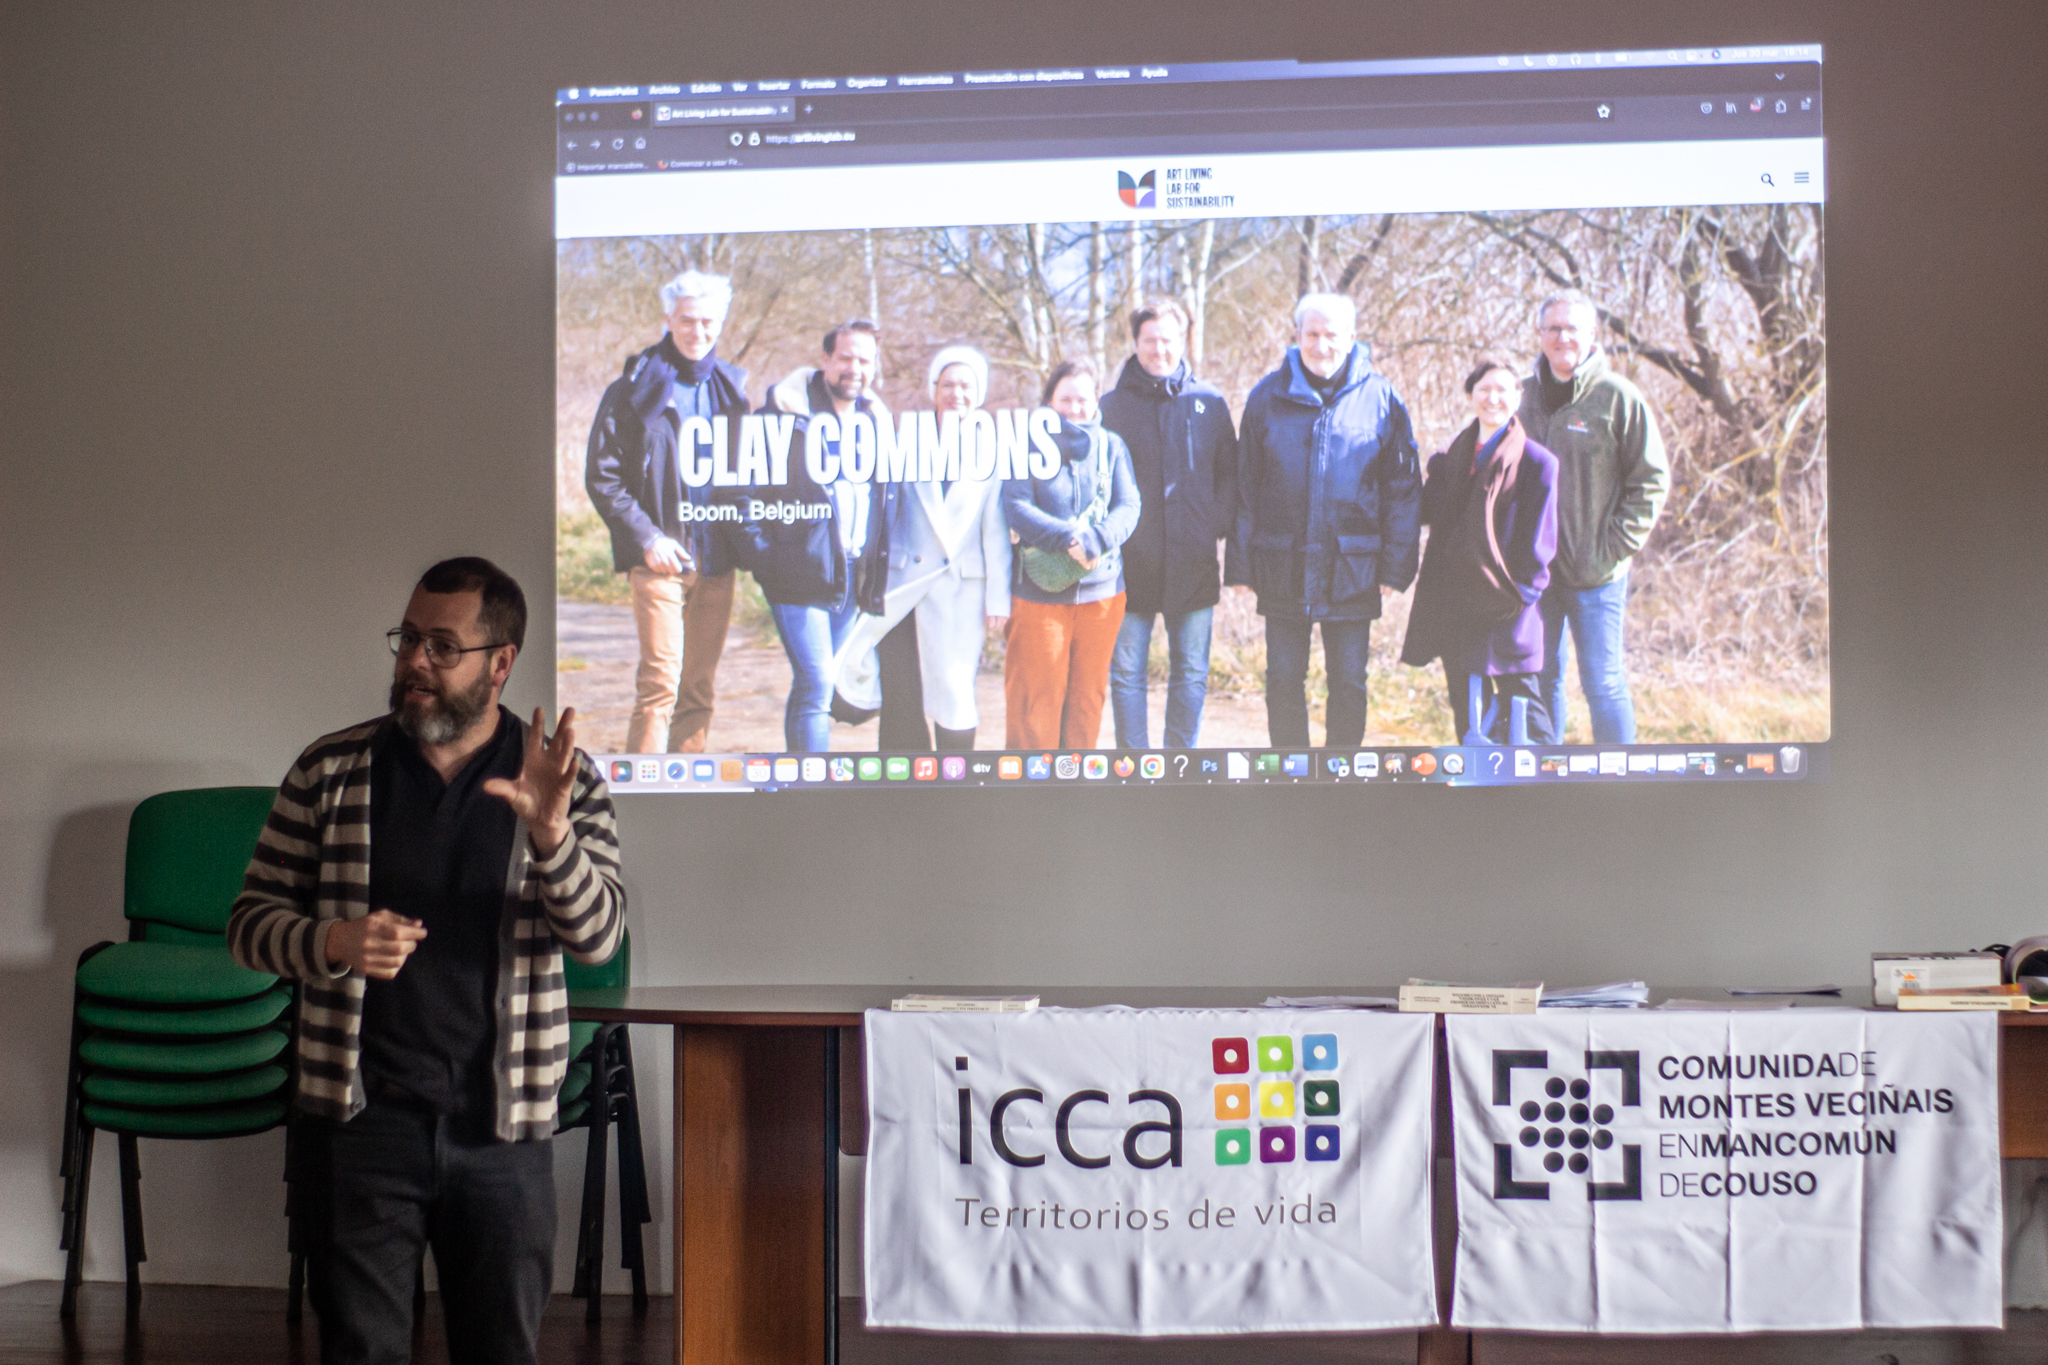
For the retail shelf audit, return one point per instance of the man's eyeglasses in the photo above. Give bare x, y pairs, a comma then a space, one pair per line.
440, 653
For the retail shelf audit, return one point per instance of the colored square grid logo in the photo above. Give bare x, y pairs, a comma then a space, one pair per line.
1276, 1099
1232, 1055
1319, 1052
1276, 1145
1276, 1052
1233, 1146
1319, 1098
1233, 1102
1320, 1142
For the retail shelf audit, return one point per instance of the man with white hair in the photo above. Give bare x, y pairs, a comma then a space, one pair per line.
675, 559
1329, 515
949, 574
1612, 478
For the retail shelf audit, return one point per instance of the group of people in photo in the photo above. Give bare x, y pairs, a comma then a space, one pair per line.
1313, 498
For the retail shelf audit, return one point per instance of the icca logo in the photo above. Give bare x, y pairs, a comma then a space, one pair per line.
1063, 1119
1139, 193
1283, 1091
1279, 1096
1566, 1100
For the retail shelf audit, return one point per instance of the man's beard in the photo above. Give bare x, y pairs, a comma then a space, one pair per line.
443, 717
845, 391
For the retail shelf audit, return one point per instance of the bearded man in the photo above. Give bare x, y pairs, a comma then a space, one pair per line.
420, 876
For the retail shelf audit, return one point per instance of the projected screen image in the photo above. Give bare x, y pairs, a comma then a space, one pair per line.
1326, 457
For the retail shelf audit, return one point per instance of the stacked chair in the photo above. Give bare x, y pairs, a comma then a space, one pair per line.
169, 1037
597, 1093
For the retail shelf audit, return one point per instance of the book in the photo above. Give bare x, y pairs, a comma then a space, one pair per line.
964, 1004
2012, 997
1329, 1002
1455, 997
1784, 990
1891, 972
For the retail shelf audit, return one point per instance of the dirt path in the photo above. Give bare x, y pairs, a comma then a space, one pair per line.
753, 685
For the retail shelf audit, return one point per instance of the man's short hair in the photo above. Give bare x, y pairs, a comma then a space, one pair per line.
1333, 307
503, 614
1154, 309
1067, 369
1486, 367
715, 290
1575, 299
862, 325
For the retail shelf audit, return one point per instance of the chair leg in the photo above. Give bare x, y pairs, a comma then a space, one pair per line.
594, 1173
634, 1208
131, 1216
74, 1264
294, 1242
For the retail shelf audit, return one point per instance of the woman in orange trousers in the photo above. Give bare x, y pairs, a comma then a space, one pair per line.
1067, 590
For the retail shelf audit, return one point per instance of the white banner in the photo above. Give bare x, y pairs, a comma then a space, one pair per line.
1149, 1172
1743, 1171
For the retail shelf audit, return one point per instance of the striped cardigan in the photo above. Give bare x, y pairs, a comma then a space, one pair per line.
312, 869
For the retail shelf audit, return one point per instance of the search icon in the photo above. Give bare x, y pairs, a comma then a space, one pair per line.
1766, 177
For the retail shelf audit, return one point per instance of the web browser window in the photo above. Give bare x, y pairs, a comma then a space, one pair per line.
1458, 420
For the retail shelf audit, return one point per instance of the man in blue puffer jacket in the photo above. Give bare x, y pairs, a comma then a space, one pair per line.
1329, 515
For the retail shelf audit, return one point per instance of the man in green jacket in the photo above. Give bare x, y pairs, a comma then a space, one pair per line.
1612, 478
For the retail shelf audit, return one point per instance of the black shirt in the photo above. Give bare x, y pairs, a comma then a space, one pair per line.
1556, 392
1327, 387
439, 853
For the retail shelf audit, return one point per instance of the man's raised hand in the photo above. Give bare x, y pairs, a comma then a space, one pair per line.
541, 795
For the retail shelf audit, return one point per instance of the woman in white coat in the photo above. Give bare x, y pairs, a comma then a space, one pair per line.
949, 563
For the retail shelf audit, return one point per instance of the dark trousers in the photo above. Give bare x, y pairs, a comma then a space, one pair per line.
377, 1191
903, 729
1347, 651
1506, 686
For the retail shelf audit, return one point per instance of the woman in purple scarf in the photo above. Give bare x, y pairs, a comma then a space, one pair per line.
1490, 503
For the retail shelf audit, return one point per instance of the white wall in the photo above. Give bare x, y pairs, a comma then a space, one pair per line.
276, 332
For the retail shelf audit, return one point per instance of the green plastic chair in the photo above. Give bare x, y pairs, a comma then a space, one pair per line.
170, 1037
598, 1093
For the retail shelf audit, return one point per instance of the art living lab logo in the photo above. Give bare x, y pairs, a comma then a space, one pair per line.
1562, 1110
1141, 193
1285, 1079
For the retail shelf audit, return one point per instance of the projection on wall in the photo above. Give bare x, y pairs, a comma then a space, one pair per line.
1442, 421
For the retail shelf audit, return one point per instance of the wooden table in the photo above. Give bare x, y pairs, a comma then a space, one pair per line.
768, 1092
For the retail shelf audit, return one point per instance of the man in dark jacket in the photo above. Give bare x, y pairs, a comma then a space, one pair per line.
662, 538
807, 555
1184, 454
1612, 478
1329, 512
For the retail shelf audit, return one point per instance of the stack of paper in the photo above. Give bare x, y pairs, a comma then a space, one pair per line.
1615, 995
964, 1004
